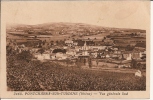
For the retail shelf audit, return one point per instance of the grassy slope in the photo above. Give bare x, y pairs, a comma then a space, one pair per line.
49, 76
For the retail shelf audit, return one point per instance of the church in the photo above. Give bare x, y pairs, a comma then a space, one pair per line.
85, 49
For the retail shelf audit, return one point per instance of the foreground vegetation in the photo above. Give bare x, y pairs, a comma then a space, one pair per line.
24, 74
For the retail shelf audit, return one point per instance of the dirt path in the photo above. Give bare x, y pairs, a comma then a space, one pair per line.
119, 70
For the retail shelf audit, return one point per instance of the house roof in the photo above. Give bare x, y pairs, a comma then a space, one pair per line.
100, 50
59, 53
125, 52
68, 41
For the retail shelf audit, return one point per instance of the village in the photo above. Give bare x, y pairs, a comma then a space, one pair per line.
111, 51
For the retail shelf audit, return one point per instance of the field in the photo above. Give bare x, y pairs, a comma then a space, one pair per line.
98, 36
51, 76
64, 31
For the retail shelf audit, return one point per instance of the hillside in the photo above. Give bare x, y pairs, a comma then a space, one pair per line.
66, 30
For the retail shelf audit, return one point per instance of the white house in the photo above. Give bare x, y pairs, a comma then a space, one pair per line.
115, 49
98, 47
141, 54
22, 45
85, 53
46, 55
68, 41
59, 55
75, 43
94, 54
34, 49
127, 56
40, 57
107, 56
71, 52
136, 55
53, 56
65, 47
117, 52
77, 48
64, 56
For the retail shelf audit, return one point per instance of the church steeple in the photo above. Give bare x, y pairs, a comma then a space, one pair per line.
85, 46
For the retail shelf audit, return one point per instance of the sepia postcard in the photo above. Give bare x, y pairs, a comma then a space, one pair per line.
75, 49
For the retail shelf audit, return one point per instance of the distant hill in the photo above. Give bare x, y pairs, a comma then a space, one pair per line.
64, 26
69, 30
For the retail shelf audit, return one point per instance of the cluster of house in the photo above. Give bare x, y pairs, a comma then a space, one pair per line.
73, 50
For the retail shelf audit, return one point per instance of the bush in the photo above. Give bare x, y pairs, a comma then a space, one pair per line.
25, 55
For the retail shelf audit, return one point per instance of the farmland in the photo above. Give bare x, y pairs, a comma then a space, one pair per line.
62, 31
25, 75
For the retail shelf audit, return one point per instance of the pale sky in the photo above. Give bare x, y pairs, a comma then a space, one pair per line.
120, 14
